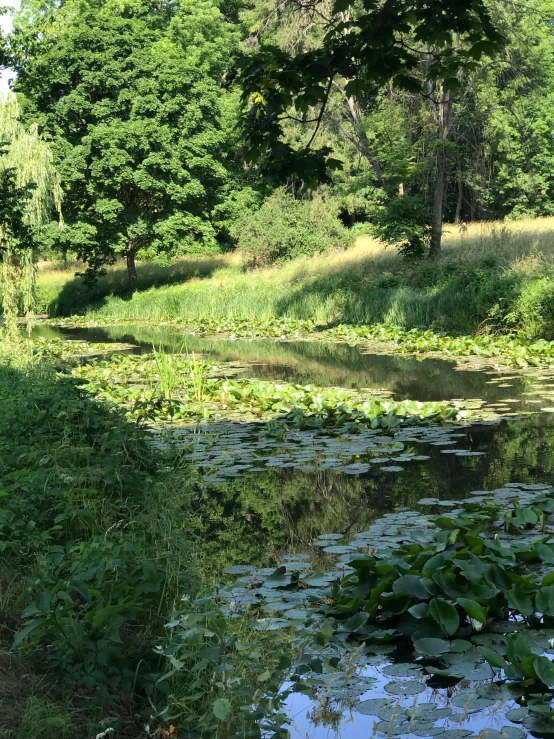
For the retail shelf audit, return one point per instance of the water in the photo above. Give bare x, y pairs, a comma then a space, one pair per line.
325, 364
265, 499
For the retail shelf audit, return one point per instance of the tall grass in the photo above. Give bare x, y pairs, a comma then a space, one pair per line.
495, 275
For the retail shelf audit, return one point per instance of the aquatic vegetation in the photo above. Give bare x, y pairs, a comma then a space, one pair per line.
514, 350
508, 348
470, 589
182, 387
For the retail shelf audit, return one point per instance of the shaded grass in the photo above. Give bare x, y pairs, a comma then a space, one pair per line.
497, 276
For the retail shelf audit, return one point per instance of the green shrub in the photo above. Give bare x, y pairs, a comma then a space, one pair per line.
533, 310
404, 223
286, 228
80, 522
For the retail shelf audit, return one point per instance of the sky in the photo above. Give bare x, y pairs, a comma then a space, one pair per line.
5, 25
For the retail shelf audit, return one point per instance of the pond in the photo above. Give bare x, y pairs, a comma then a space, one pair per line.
268, 501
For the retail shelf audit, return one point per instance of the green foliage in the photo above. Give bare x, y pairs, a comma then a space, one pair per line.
237, 674
96, 600
30, 191
145, 165
286, 228
174, 387
366, 49
403, 222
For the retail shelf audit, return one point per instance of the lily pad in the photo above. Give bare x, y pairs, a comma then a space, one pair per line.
338, 549
402, 669
517, 714
470, 701
408, 687
372, 706
239, 570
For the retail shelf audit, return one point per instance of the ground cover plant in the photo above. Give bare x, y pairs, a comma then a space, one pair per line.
92, 569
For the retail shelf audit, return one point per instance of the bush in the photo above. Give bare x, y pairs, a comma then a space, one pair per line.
404, 223
80, 522
286, 228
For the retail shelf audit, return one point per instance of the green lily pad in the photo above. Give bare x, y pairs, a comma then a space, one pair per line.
539, 724
511, 732
372, 706
517, 714
239, 570
409, 687
470, 701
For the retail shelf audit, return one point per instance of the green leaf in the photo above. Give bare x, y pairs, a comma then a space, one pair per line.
419, 610
356, 622
42, 602
521, 601
412, 585
26, 630
473, 609
545, 670
431, 647
221, 708
493, 658
445, 615
544, 600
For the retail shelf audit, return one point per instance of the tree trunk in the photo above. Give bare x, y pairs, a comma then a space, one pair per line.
131, 266
460, 202
444, 115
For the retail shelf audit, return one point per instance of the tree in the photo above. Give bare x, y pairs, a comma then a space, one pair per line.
30, 193
419, 45
129, 93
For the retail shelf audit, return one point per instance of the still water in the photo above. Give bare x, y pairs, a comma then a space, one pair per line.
266, 499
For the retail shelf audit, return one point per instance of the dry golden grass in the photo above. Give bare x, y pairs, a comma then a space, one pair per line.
523, 244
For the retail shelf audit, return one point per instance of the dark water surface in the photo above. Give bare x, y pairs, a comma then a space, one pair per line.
266, 499
326, 364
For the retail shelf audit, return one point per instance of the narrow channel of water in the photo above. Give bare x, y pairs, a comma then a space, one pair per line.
265, 499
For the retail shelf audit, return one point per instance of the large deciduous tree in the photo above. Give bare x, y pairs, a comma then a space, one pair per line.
129, 93
416, 45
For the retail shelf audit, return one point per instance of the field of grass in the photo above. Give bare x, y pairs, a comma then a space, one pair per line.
497, 276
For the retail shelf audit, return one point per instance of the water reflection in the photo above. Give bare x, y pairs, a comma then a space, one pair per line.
325, 364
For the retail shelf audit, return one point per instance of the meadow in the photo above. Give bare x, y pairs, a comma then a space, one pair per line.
496, 277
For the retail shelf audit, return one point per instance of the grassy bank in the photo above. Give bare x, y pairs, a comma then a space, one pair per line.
92, 569
498, 276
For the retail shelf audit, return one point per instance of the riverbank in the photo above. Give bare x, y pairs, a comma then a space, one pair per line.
92, 570
498, 277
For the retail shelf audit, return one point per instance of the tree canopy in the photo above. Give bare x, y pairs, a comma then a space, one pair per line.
129, 94
172, 123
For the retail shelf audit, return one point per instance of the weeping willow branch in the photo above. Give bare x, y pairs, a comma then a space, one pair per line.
37, 191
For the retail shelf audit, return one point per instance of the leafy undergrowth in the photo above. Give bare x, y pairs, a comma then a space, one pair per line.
93, 567
174, 387
510, 348
456, 599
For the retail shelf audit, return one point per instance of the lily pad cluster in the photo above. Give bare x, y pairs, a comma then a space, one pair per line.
184, 388
471, 589
223, 450
511, 348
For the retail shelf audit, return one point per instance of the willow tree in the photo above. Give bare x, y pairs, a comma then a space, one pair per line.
31, 193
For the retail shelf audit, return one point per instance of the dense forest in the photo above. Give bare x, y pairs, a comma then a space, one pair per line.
145, 107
